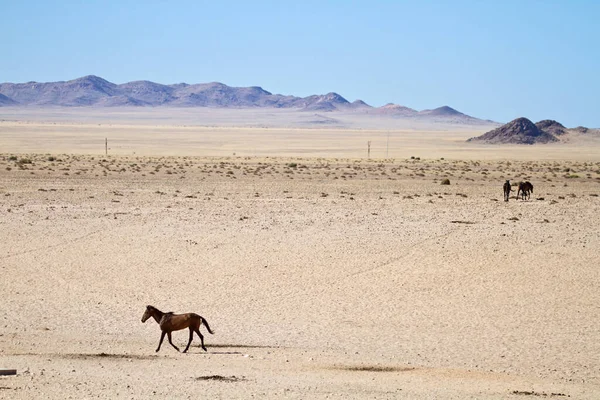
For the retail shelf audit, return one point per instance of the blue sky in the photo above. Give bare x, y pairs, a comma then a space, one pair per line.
490, 59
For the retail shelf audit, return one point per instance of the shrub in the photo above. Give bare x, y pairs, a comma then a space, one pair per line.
445, 181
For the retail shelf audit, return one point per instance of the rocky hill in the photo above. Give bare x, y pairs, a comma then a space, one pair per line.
552, 127
523, 131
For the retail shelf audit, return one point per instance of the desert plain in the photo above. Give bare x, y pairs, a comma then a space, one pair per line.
325, 271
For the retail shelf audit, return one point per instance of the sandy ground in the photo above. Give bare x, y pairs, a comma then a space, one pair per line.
322, 277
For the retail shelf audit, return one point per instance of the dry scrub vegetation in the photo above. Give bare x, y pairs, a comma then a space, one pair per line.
435, 170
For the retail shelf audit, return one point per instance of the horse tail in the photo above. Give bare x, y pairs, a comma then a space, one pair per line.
205, 322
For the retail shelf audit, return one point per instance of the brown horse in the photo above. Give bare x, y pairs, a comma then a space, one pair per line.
507, 190
526, 188
170, 322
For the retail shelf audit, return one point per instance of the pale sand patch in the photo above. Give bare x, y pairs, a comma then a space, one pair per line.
331, 278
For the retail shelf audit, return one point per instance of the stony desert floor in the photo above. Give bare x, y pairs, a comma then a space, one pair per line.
322, 278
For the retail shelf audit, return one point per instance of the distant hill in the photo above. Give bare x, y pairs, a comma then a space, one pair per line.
93, 91
395, 110
328, 102
359, 104
523, 131
443, 111
448, 114
441, 114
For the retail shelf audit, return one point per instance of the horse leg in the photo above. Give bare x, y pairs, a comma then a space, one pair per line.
201, 339
162, 336
190, 341
169, 335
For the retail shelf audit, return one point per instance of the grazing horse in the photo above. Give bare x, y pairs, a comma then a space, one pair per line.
170, 322
525, 188
507, 190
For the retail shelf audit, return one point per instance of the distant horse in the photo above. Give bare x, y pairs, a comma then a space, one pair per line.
507, 190
170, 322
525, 188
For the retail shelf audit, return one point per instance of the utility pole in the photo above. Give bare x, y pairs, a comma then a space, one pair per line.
369, 149
387, 147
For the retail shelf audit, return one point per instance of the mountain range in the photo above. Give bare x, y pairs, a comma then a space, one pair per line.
93, 91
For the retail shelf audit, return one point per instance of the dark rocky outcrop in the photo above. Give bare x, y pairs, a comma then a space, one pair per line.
518, 131
552, 127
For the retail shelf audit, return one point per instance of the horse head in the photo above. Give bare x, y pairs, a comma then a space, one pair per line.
148, 313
